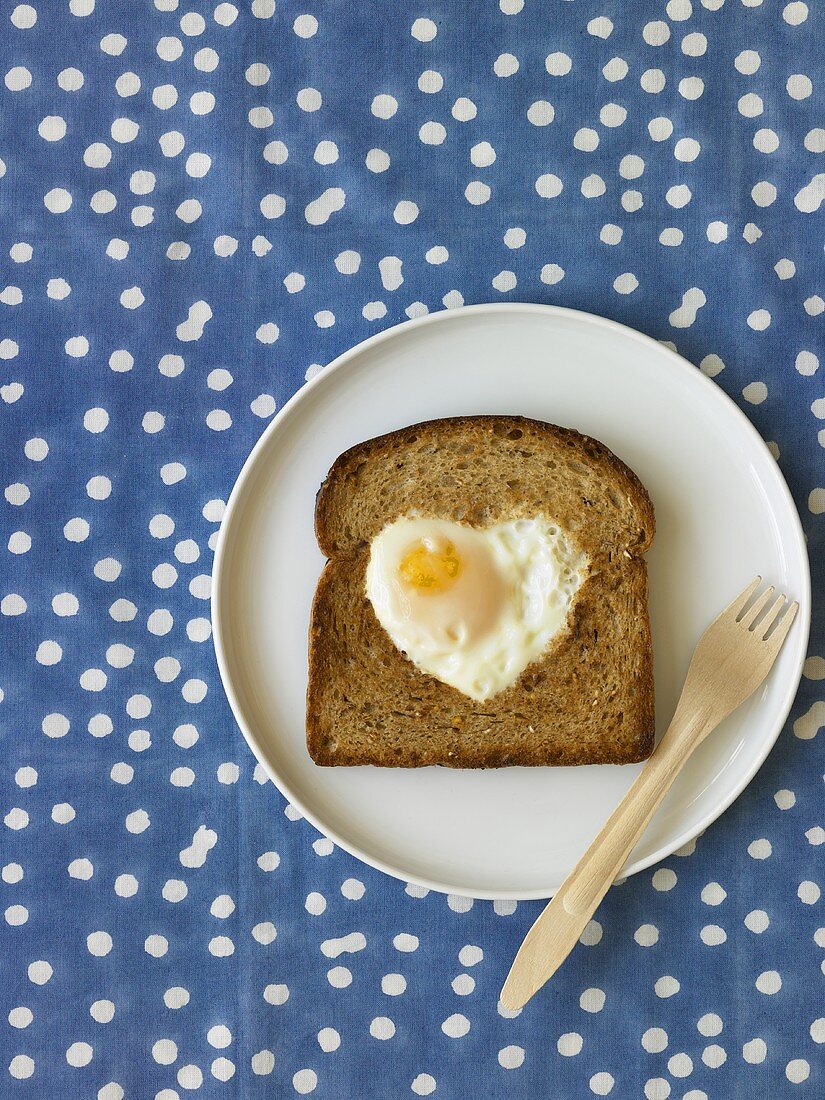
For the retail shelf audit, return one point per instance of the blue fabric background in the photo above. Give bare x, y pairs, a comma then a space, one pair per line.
134, 968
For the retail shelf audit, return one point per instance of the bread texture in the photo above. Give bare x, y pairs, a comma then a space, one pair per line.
588, 699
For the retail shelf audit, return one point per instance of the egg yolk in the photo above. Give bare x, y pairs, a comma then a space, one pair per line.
430, 570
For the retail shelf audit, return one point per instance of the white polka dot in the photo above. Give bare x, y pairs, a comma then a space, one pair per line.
511, 1057
477, 193
100, 725
694, 45
432, 133
309, 99
763, 193
646, 935
755, 393
626, 283
797, 1071
506, 64
70, 80
103, 202
750, 105
315, 903
339, 977
430, 82
20, 1017
55, 725
592, 1000
755, 1051
612, 115
808, 893
39, 972
666, 986
126, 886
102, 1012
464, 110
305, 26
190, 1077
455, 1026
678, 196
558, 64
423, 1085
377, 160
16, 818
549, 186
654, 1040
49, 653
328, 1039
219, 1036
52, 128
799, 86
393, 985
601, 1083
541, 113
569, 1044
713, 935
18, 79
586, 140
632, 201
58, 200
405, 212
122, 773
717, 232
505, 281
21, 1067
663, 879
656, 33
795, 13
424, 30
276, 994
382, 1027
463, 985
686, 150
225, 14
660, 129
12, 872
807, 363
99, 943
691, 87
769, 982
137, 821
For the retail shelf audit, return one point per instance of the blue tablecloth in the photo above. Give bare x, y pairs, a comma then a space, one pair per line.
200, 205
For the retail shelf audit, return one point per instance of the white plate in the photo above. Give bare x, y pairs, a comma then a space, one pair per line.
723, 514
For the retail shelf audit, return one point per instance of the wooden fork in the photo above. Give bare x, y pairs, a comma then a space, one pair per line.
731, 660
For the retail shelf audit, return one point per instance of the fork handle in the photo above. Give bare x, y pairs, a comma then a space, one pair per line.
599, 867
557, 929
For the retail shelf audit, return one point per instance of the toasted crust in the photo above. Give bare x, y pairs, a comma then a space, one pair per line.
587, 699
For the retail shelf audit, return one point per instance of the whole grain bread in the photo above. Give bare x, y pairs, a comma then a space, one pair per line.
588, 699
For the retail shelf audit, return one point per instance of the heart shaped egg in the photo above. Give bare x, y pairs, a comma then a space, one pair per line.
473, 606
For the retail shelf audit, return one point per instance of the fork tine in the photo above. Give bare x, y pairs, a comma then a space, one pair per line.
753, 613
737, 605
773, 615
778, 637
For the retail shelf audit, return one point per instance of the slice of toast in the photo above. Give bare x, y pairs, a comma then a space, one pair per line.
587, 700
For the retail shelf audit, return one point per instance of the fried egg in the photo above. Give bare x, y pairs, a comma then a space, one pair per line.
473, 606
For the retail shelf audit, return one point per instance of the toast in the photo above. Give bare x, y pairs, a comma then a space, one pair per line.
587, 699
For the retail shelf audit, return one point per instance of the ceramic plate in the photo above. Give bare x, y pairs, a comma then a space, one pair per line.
723, 514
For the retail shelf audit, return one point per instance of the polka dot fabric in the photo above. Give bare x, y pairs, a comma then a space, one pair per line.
203, 203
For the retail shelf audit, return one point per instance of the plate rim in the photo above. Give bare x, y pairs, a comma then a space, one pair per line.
342, 361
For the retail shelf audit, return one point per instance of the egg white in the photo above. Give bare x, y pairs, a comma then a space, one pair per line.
512, 595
